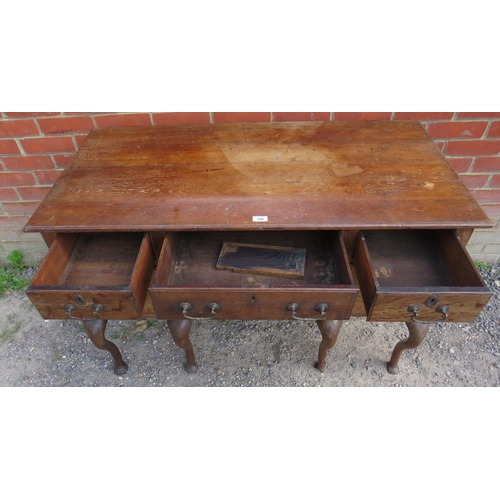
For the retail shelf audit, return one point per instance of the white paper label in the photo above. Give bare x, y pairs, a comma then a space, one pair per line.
259, 218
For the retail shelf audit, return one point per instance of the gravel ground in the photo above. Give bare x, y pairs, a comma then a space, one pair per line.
37, 352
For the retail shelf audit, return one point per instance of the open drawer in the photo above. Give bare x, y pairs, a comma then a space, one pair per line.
418, 275
94, 276
188, 283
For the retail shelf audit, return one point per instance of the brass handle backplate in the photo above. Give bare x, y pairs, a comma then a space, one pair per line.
213, 307
97, 308
321, 308
443, 310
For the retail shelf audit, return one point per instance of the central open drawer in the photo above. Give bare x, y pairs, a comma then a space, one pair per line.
418, 275
187, 274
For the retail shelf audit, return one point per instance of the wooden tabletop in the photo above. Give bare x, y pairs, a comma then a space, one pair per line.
314, 175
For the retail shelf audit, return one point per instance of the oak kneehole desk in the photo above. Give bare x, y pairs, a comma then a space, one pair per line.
136, 222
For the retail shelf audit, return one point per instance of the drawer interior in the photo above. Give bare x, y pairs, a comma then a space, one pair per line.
91, 260
189, 260
419, 258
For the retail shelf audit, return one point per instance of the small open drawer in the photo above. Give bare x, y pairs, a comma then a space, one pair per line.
418, 275
189, 285
94, 276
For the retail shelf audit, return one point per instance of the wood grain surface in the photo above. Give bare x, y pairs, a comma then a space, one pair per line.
310, 175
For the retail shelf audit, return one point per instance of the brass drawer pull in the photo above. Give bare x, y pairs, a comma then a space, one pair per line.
441, 309
321, 308
186, 307
97, 308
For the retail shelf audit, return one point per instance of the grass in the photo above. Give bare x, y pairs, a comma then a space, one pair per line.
9, 275
11, 328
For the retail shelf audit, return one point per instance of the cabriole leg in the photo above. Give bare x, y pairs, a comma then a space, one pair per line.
418, 333
95, 328
180, 328
329, 332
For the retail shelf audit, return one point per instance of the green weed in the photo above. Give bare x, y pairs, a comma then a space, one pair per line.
482, 265
9, 275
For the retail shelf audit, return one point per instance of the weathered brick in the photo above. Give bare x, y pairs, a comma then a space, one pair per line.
440, 145
47, 176
241, 117
306, 117
460, 165
28, 162
26, 115
492, 209
14, 222
472, 148
362, 116
494, 129
61, 144
483, 236
127, 120
495, 182
8, 194
474, 114
20, 207
181, 118
18, 128
492, 248
24, 246
8, 235
14, 179
445, 130
80, 139
423, 115
66, 125
475, 250
474, 181
489, 164
9, 147
486, 195
62, 161
33, 193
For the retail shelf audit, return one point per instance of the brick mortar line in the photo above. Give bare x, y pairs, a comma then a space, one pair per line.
487, 130
20, 146
40, 132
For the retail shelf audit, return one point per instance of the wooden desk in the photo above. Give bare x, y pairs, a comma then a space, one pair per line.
375, 205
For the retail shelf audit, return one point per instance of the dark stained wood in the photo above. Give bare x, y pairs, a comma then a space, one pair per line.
95, 331
272, 260
417, 334
173, 195
398, 269
179, 330
329, 333
187, 272
317, 175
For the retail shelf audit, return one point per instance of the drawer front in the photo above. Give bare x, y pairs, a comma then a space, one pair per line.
102, 276
460, 293
85, 304
410, 306
253, 304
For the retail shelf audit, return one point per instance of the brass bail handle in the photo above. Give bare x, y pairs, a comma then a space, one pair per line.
321, 308
443, 310
97, 308
186, 307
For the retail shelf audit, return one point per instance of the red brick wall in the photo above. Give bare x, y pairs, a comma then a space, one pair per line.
36, 147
